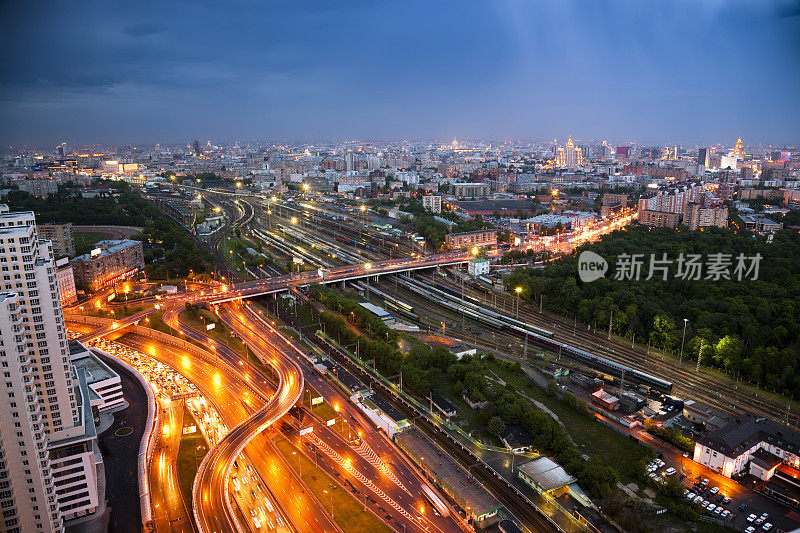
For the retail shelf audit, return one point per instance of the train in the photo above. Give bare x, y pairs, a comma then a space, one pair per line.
533, 333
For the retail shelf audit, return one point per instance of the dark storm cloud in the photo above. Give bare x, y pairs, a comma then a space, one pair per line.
670, 70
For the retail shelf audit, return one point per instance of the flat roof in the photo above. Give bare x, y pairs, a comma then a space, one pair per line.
375, 310
385, 406
546, 473
108, 247
447, 472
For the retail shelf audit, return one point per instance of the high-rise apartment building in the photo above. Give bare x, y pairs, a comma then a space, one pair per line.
49, 461
62, 237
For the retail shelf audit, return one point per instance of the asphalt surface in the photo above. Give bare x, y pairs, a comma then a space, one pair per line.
120, 456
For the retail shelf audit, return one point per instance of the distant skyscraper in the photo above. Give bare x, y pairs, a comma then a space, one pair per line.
738, 150
62, 150
197, 147
703, 157
570, 155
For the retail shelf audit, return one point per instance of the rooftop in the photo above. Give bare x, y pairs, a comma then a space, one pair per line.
107, 248
747, 431
546, 473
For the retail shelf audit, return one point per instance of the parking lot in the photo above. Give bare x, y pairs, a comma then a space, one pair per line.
718, 494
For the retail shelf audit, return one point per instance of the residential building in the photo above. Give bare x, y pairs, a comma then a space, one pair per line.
432, 203
760, 224
470, 190
102, 380
110, 262
61, 236
671, 198
697, 216
479, 238
40, 187
659, 219
51, 463
65, 278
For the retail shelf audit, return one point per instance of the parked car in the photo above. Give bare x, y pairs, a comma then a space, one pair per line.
750, 529
764, 516
698, 500
751, 518
714, 490
669, 471
690, 496
711, 507
767, 526
726, 500
705, 504
742, 507
718, 511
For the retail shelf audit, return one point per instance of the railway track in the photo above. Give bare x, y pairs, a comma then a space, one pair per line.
510, 497
702, 385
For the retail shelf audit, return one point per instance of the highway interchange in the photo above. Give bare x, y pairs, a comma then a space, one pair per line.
250, 399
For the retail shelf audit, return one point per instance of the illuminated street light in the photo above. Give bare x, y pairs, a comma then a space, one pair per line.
367, 265
294, 220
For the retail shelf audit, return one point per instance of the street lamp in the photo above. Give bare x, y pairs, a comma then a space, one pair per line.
518, 290
685, 321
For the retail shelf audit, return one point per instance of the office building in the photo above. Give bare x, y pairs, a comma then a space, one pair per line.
738, 150
51, 463
61, 236
110, 262
704, 157
432, 203
469, 239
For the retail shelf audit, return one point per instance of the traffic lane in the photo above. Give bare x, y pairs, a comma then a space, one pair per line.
169, 511
228, 395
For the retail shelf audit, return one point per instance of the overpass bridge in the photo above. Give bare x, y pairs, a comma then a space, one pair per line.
262, 287
274, 285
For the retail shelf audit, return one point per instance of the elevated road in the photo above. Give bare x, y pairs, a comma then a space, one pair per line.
211, 503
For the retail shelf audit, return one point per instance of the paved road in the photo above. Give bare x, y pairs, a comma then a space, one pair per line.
120, 456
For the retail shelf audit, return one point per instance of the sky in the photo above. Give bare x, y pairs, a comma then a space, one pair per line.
648, 71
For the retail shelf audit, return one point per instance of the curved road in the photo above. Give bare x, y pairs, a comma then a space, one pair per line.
211, 484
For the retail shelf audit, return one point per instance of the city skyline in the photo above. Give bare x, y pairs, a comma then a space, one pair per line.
662, 74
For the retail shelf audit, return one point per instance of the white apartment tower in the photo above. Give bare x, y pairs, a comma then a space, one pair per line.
40, 420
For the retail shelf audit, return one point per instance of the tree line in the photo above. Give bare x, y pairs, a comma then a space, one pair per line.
749, 328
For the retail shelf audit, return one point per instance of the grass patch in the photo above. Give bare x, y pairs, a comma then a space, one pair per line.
84, 242
593, 438
220, 332
348, 512
190, 454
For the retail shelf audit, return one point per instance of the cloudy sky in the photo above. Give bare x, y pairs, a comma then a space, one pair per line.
660, 71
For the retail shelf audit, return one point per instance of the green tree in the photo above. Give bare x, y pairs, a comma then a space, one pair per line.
495, 426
